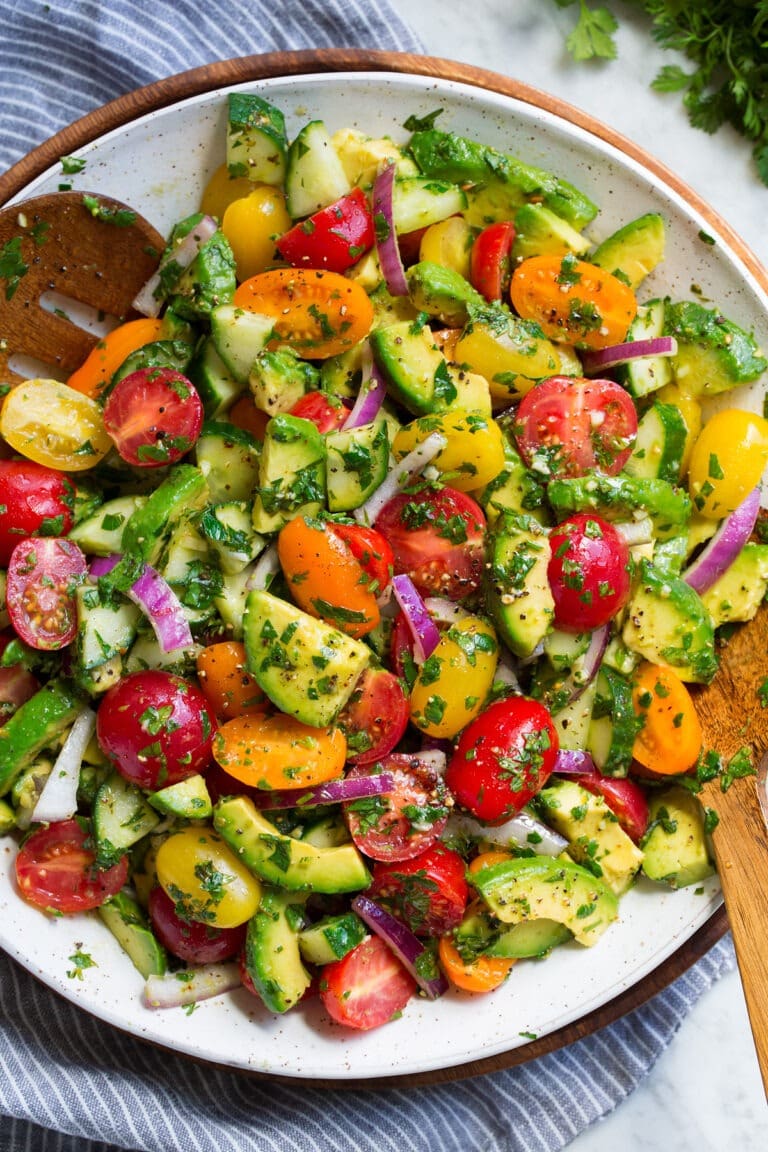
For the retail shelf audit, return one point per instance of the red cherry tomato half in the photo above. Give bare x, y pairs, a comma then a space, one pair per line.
154, 416
503, 758
402, 823
437, 538
490, 263
56, 869
34, 501
371, 549
17, 685
624, 797
401, 648
569, 425
375, 716
326, 412
190, 940
334, 238
367, 988
156, 728
429, 893
43, 573
589, 572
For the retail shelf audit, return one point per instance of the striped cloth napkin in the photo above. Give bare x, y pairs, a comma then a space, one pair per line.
69, 1083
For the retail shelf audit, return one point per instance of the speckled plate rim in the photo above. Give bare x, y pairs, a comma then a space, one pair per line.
224, 74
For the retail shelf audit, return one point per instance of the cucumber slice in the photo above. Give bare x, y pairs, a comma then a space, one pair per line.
228, 529
217, 386
652, 372
238, 336
331, 938
102, 533
121, 817
256, 139
418, 202
228, 458
614, 724
659, 446
315, 175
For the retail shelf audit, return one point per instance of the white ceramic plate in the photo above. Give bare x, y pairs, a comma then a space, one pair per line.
159, 165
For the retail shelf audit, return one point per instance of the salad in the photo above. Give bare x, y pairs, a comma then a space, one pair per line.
357, 592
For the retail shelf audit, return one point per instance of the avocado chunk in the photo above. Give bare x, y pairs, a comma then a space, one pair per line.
540, 232
307, 668
173, 354
414, 367
272, 957
479, 935
208, 282
127, 922
595, 838
279, 378
675, 846
188, 799
442, 292
617, 497
446, 156
148, 529
284, 861
545, 888
517, 588
713, 354
633, 252
291, 473
667, 623
36, 725
737, 595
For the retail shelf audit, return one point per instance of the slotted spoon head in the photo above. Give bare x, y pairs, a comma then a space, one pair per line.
85, 248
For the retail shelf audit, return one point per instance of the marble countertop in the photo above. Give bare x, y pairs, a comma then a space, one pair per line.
705, 1092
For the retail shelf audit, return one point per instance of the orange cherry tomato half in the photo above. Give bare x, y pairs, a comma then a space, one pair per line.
325, 578
319, 314
481, 975
97, 370
226, 683
572, 301
279, 752
670, 739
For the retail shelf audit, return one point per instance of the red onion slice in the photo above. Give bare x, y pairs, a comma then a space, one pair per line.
598, 359
725, 545
423, 628
573, 762
407, 947
523, 830
588, 667
157, 601
386, 237
149, 298
332, 792
58, 799
369, 400
396, 479
178, 989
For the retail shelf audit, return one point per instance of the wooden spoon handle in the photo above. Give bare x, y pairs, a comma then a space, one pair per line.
740, 844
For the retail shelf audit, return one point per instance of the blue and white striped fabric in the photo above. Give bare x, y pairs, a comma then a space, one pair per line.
71, 1084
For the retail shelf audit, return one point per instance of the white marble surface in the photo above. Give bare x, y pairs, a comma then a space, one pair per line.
705, 1093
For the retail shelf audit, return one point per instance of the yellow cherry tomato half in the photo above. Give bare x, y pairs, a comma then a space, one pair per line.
252, 224
52, 424
449, 244
221, 190
278, 752
727, 461
474, 453
454, 681
205, 879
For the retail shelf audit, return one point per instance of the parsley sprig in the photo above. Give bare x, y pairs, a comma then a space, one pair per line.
726, 43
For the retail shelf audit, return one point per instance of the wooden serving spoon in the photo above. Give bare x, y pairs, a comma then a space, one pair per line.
732, 718
84, 247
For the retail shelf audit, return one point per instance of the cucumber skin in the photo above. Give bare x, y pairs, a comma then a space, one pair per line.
36, 725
